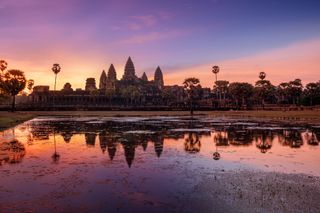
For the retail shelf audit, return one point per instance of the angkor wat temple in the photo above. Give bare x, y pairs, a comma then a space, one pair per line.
131, 92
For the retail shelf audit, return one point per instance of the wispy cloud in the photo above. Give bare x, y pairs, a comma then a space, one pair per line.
150, 37
139, 22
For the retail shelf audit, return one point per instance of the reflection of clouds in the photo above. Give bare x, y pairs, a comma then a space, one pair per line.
11, 152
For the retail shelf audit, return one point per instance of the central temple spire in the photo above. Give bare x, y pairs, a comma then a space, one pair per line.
129, 70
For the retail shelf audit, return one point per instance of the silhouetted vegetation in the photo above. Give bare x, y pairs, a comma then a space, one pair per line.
191, 85
12, 82
132, 92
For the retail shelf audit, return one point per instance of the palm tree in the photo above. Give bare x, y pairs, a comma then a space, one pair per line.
190, 85
264, 90
13, 82
262, 75
56, 69
215, 70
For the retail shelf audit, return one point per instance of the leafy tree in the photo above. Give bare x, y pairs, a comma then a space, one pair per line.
295, 90
3, 67
221, 88
241, 93
191, 85
264, 91
13, 82
312, 93
283, 93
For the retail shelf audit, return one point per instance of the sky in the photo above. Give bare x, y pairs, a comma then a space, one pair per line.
184, 37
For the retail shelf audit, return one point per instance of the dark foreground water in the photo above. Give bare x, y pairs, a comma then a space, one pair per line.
159, 164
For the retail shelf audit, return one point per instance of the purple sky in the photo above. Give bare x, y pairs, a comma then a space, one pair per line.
184, 37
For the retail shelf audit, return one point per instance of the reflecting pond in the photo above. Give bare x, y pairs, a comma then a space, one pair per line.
140, 163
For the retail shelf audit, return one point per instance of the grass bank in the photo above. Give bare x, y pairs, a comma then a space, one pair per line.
9, 119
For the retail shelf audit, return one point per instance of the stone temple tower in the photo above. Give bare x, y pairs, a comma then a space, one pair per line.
111, 79
103, 81
129, 71
158, 78
144, 77
90, 84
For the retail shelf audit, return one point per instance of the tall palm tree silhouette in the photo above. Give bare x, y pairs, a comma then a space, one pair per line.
215, 70
56, 69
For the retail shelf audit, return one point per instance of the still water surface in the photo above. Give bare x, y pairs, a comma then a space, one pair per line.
141, 163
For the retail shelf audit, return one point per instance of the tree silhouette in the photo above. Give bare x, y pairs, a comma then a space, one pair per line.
312, 93
3, 65
264, 90
56, 69
240, 92
13, 82
221, 88
215, 70
190, 85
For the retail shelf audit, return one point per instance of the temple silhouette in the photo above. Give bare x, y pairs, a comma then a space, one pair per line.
128, 92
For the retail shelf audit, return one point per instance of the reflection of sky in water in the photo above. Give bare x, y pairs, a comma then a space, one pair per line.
95, 152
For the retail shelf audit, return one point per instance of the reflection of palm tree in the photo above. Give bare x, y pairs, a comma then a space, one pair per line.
56, 155
192, 143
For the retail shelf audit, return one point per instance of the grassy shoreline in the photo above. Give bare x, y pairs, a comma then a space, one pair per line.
9, 119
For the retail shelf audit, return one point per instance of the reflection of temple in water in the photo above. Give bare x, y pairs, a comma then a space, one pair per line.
112, 135
90, 139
